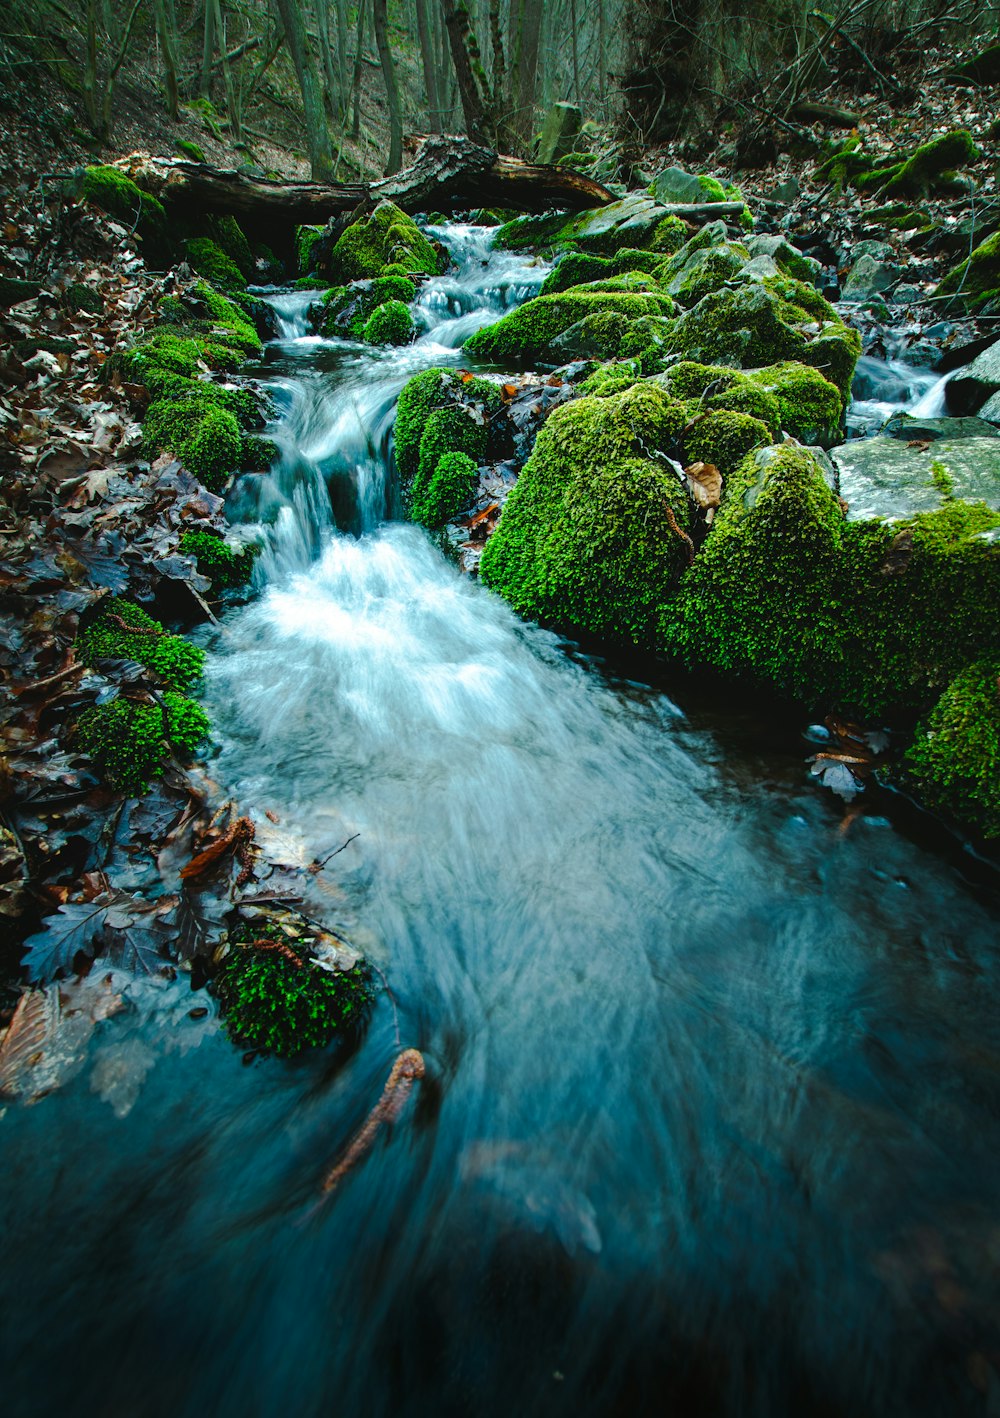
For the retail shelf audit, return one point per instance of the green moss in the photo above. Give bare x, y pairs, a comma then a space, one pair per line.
530, 233
725, 439
229, 237
954, 760
420, 439
528, 331
189, 150
346, 310
214, 450
669, 235
129, 741
450, 488
259, 454
274, 1004
576, 268
591, 536
229, 321
448, 431
209, 260
688, 278
763, 597
769, 322
169, 657
390, 324
976, 278
387, 236
791, 398
612, 378
305, 239
118, 195
930, 163
224, 565
77, 296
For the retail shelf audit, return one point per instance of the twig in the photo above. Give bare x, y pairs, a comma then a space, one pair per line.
319, 865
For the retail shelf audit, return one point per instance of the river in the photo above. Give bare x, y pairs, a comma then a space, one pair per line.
712, 1112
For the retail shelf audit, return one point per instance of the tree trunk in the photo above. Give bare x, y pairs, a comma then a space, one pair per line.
359, 59
233, 105
525, 68
342, 57
331, 87
430, 71
448, 174
391, 87
166, 29
207, 51
477, 105
317, 132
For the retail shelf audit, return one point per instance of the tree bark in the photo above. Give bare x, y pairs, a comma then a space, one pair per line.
391, 87
331, 85
208, 50
525, 69
359, 59
317, 132
166, 29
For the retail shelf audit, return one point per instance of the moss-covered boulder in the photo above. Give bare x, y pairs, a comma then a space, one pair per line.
954, 760
975, 282
207, 257
676, 186
226, 566
892, 478
637, 221
450, 488
346, 310
115, 193
577, 268
528, 332
439, 412
694, 272
769, 322
789, 397
724, 438
930, 168
390, 324
786, 257
386, 236
593, 536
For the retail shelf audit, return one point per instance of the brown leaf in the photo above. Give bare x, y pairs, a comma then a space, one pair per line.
704, 484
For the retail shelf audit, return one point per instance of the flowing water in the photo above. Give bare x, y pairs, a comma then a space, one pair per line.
712, 1110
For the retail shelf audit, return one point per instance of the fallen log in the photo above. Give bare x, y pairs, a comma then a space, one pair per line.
447, 174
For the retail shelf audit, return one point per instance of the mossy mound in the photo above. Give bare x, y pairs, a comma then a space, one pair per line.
725, 438
928, 170
229, 236
387, 236
689, 276
576, 268
124, 631
592, 538
116, 194
189, 150
769, 322
390, 324
207, 257
205, 436
954, 760
421, 439
129, 741
227, 322
225, 566
527, 332
306, 238
276, 1000
346, 310
790, 397
636, 222
450, 488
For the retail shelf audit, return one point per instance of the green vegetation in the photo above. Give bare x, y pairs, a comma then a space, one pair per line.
207, 257
389, 324
576, 268
527, 332
124, 631
725, 439
954, 759
229, 237
129, 741
189, 150
976, 280
347, 310
275, 1000
441, 412
387, 236
225, 566
306, 238
228, 323
116, 194
789, 397
593, 535
450, 488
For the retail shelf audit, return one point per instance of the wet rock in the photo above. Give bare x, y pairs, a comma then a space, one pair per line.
676, 185
884, 478
908, 427
786, 191
970, 388
786, 256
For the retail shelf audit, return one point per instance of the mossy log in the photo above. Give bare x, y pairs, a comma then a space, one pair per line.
447, 174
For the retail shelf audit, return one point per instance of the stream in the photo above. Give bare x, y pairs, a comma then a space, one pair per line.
712, 1109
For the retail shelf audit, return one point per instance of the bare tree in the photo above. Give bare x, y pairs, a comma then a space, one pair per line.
391, 87
313, 112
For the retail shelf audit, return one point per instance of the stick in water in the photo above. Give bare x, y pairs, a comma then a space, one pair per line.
408, 1066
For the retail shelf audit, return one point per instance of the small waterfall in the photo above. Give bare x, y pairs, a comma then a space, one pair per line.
933, 403
336, 400
883, 387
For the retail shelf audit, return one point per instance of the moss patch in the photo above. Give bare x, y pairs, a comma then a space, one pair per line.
118, 195
225, 566
140, 638
592, 536
527, 332
275, 1000
954, 760
421, 439
207, 257
390, 324
387, 236
129, 741
450, 488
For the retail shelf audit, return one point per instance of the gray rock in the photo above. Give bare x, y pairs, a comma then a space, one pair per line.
559, 133
906, 426
868, 276
759, 268
881, 250
790, 259
971, 387
676, 185
906, 295
991, 410
622, 223
883, 478
786, 191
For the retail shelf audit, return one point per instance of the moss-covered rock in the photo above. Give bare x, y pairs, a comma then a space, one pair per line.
450, 488
389, 324
769, 322
725, 438
129, 741
593, 536
231, 240
930, 166
527, 332
227, 323
214, 451
954, 760
116, 194
306, 238
692, 274
576, 268
124, 631
421, 439
976, 280
790, 397
225, 566
276, 999
636, 222
207, 257
346, 310
189, 150
387, 236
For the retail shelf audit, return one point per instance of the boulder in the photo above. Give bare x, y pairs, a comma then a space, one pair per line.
527, 333
867, 277
971, 387
559, 132
975, 282
676, 185
910, 427
786, 256
883, 478
980, 68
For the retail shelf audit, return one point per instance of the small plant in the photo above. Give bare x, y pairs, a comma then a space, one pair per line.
128, 741
275, 999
